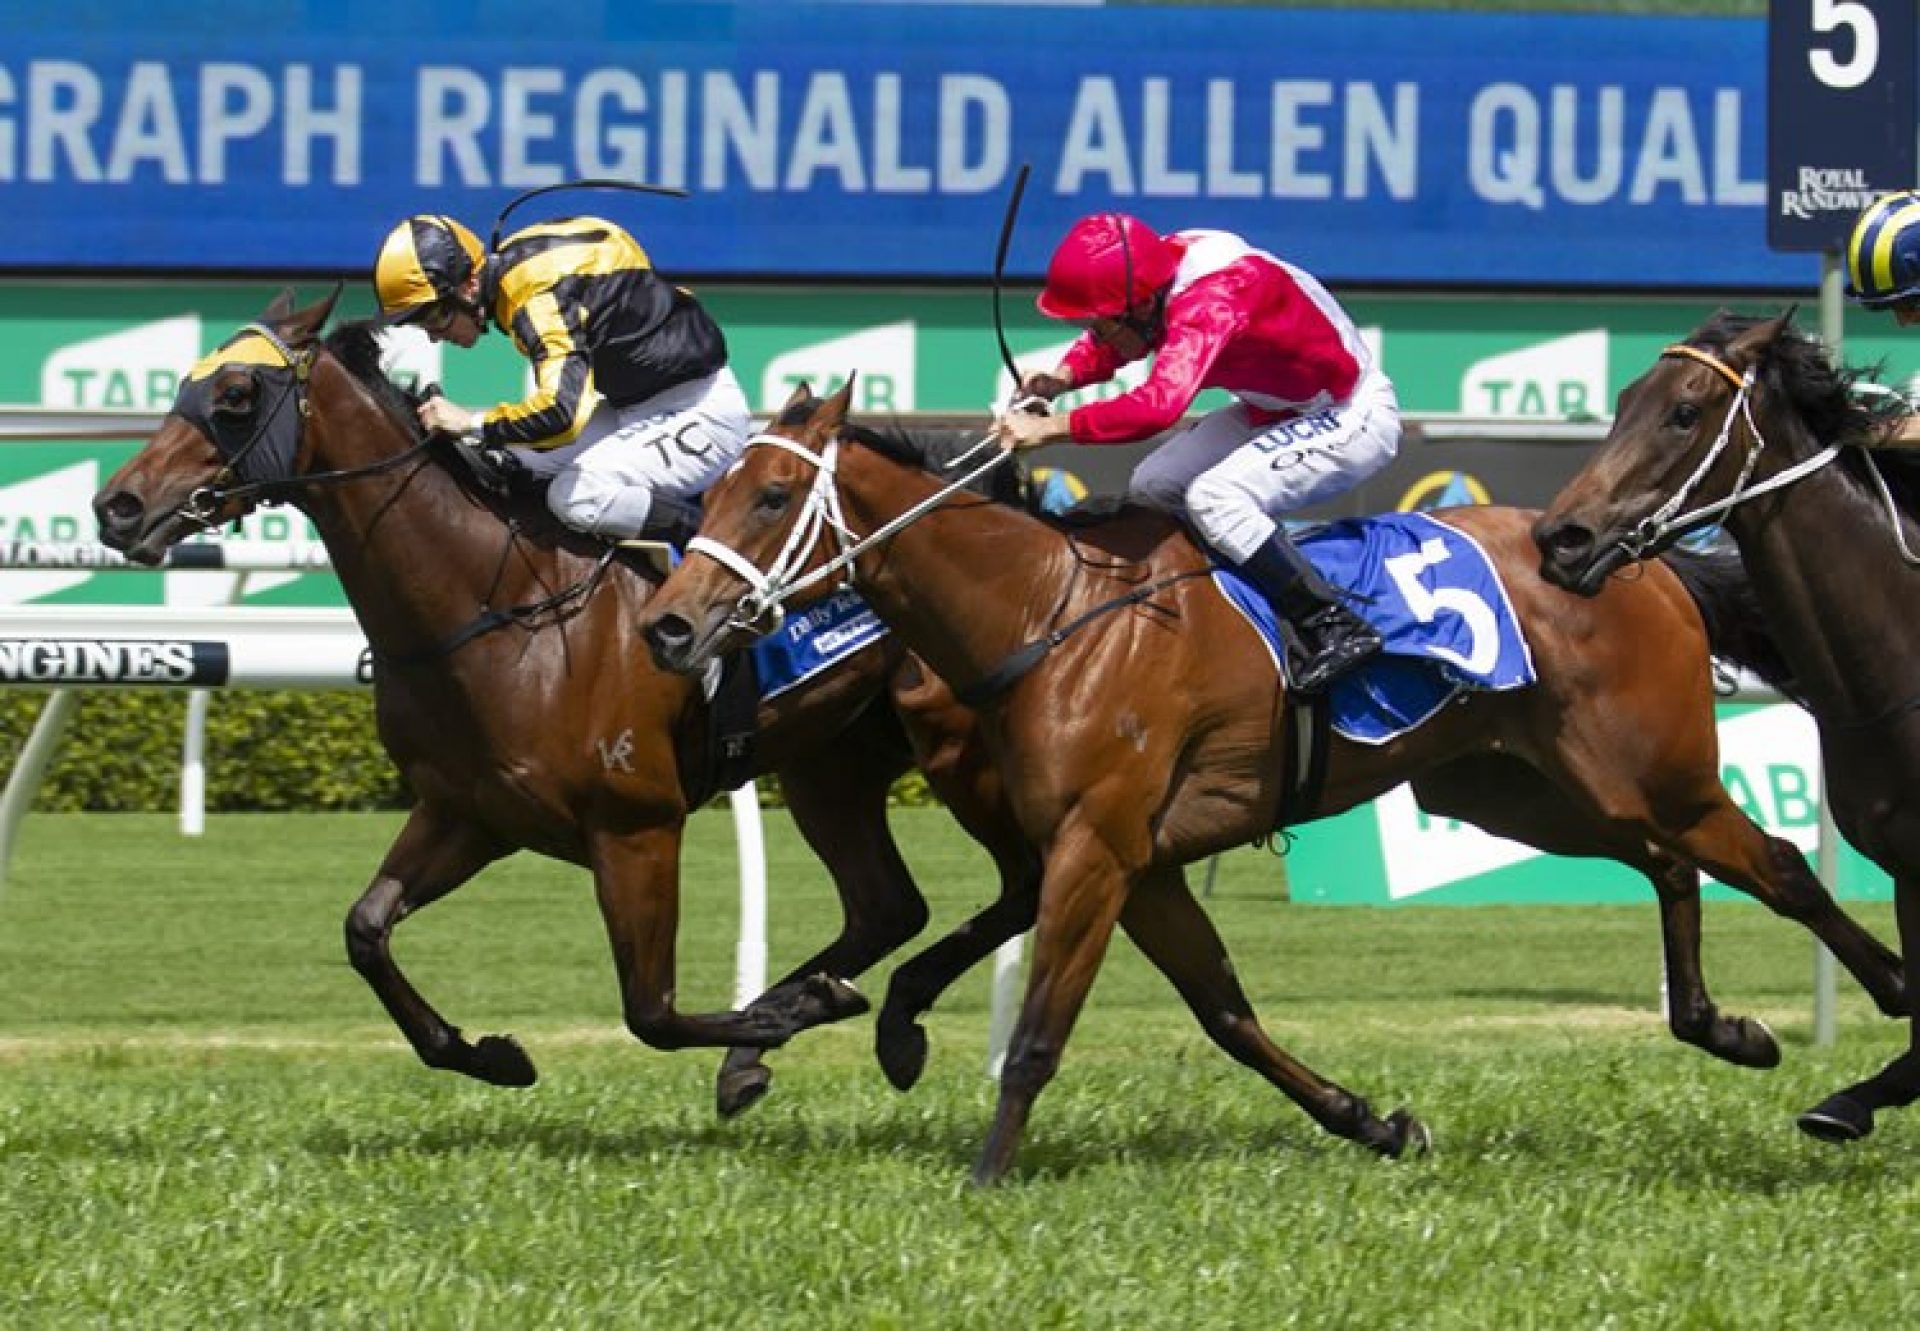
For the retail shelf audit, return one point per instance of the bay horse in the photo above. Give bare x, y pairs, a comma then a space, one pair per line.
1139, 724
1750, 422
513, 691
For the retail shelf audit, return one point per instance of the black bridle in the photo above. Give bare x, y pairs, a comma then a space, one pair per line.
260, 469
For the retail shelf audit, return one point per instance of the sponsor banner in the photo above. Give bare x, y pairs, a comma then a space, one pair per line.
116, 661
1370, 145
98, 346
1389, 852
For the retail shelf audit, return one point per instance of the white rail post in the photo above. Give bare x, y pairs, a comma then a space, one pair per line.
23, 783
750, 954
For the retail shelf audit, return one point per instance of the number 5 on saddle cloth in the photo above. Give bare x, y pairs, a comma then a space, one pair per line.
1431, 593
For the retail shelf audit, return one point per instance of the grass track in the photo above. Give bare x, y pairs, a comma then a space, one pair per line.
205, 1120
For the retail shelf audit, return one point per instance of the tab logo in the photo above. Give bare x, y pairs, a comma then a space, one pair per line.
55, 508
136, 368
1564, 377
883, 358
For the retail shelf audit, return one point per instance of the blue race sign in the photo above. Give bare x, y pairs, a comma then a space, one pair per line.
1841, 115
878, 140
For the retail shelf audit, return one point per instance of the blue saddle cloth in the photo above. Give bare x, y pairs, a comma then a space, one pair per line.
1432, 594
815, 639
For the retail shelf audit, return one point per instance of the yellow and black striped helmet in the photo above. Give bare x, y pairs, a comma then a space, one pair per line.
1883, 253
424, 260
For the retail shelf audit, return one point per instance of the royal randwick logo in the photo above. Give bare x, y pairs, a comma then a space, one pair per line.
1819, 191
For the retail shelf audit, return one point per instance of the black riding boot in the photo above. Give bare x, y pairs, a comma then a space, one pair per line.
1326, 639
671, 520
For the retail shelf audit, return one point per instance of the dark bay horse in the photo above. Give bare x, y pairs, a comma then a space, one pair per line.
1147, 726
1749, 420
513, 691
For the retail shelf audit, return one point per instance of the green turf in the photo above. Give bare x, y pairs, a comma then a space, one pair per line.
206, 1121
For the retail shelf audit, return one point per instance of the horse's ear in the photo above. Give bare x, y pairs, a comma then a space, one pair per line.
801, 395
281, 307
1752, 346
833, 412
304, 325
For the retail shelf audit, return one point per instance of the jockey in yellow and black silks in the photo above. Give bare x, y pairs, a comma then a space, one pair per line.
633, 412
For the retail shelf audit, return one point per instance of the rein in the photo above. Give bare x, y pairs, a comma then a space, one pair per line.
1668, 520
204, 506
770, 590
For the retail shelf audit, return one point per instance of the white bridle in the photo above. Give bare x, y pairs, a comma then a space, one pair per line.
821, 512
1668, 519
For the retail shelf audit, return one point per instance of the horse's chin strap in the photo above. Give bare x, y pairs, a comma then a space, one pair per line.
1668, 520
761, 609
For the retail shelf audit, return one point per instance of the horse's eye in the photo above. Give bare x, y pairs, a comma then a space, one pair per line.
1685, 416
774, 500
234, 397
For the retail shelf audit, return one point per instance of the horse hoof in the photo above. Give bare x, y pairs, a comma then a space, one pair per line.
1409, 1134
1753, 1045
902, 1052
740, 1089
837, 998
500, 1061
1838, 1119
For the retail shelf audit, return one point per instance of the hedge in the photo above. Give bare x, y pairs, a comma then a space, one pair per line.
265, 752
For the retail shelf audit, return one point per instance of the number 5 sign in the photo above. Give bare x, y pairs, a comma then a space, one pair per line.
1840, 114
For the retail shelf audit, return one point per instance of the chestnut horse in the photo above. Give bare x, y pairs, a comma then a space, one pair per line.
1751, 419
1139, 724
513, 691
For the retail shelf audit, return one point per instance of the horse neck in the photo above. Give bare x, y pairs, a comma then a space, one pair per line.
964, 585
1827, 569
416, 556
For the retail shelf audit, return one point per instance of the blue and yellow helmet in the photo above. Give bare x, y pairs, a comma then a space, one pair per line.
1883, 253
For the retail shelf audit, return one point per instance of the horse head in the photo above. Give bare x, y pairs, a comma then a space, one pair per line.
237, 423
767, 522
1687, 444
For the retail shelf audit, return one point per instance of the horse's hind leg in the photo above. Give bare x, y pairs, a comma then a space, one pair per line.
1169, 926
837, 795
1510, 799
1729, 846
431, 857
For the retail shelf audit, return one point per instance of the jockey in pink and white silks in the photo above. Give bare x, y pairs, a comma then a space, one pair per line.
1312, 415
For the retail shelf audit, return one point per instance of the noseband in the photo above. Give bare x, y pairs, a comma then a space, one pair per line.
1669, 521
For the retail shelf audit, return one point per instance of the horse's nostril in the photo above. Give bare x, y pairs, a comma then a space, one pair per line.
118, 513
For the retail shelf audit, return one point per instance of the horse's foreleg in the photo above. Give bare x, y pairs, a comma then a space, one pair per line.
431, 857
961, 771
839, 802
1692, 1015
1847, 1115
1169, 926
1080, 899
637, 883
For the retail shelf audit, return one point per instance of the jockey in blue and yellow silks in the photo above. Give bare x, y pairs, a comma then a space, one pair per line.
1883, 273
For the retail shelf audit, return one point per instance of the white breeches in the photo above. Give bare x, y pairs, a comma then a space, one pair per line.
1235, 480
677, 442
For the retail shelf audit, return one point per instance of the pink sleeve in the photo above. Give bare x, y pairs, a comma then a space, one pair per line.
1196, 335
1090, 361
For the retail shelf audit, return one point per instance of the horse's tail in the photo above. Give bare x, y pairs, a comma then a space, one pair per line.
1737, 631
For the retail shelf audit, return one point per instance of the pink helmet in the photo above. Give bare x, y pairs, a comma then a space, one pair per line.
1108, 263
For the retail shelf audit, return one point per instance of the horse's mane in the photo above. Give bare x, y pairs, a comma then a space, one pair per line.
931, 450
1823, 397
357, 347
